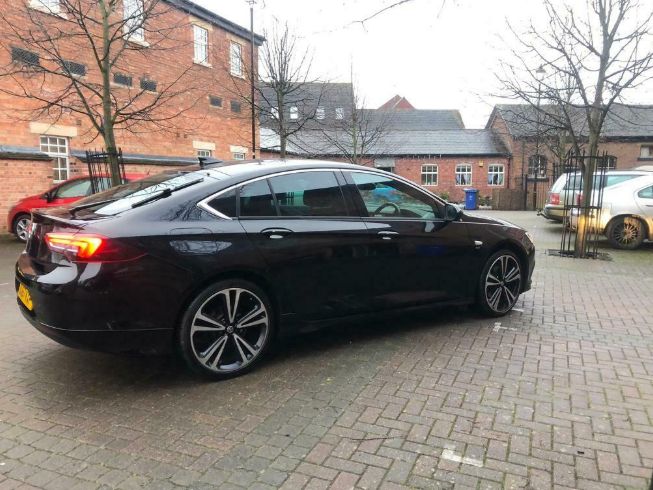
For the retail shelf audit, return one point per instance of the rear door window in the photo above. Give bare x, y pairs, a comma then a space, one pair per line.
309, 194
76, 188
256, 200
225, 204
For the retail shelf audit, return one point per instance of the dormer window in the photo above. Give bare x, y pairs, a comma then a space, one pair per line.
133, 14
294, 113
340, 113
320, 113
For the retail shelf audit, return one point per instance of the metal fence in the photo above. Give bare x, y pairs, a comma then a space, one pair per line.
576, 214
99, 169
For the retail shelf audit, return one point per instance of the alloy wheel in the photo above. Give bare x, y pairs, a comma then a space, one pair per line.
627, 233
21, 228
229, 330
503, 283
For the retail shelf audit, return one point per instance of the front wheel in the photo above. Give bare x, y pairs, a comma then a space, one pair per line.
227, 329
625, 233
500, 284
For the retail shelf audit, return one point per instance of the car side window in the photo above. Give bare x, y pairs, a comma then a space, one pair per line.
646, 193
225, 204
256, 200
388, 197
76, 188
308, 194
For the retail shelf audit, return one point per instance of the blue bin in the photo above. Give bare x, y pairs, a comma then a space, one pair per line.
471, 198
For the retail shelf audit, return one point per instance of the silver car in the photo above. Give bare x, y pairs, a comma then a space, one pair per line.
626, 216
566, 188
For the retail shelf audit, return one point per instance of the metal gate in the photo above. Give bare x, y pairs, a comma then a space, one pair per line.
99, 169
575, 213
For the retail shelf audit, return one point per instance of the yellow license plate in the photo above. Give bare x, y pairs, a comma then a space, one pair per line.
25, 297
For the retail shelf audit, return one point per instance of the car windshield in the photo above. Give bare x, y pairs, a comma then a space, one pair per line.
123, 197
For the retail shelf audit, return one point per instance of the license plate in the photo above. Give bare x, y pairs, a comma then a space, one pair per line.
25, 297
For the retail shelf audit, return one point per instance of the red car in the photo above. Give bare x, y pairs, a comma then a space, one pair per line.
68, 191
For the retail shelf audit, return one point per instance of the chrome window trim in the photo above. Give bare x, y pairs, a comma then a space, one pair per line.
204, 203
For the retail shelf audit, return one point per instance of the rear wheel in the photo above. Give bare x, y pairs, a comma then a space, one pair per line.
500, 284
626, 233
21, 225
227, 329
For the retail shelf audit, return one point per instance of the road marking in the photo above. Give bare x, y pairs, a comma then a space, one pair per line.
518, 309
497, 327
451, 456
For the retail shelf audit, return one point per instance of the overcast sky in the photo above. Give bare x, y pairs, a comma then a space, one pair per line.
438, 57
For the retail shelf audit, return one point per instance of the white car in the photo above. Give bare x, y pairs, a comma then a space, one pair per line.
626, 216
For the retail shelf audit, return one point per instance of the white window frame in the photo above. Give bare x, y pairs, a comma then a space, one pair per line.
464, 169
646, 151
133, 13
496, 169
200, 45
204, 153
320, 113
48, 6
429, 174
57, 148
274, 112
236, 59
294, 113
340, 113
238, 155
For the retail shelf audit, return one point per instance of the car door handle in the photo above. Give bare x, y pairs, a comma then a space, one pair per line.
276, 233
388, 235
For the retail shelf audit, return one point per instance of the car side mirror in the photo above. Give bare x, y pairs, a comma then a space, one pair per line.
48, 196
451, 212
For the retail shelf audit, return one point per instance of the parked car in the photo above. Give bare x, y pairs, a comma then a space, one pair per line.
216, 262
66, 192
626, 216
565, 189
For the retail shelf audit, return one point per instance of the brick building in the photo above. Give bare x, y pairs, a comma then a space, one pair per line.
429, 147
627, 136
192, 61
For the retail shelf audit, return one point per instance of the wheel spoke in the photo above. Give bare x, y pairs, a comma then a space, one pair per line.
206, 355
492, 280
246, 321
232, 307
512, 275
216, 361
495, 298
240, 340
511, 297
504, 262
213, 324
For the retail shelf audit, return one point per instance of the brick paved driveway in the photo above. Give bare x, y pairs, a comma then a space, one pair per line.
558, 393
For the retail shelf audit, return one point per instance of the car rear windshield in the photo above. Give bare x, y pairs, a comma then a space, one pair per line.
575, 181
121, 198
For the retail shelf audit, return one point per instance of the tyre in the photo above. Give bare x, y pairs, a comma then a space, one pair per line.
20, 227
227, 329
625, 233
500, 284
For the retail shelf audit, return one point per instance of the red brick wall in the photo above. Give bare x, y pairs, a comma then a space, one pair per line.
200, 121
21, 178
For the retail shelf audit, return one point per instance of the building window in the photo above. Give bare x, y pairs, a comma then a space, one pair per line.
236, 58
646, 152
201, 43
340, 113
121, 79
294, 113
148, 85
495, 174
57, 148
610, 162
74, 68
48, 6
429, 175
215, 101
25, 57
537, 167
238, 155
320, 113
235, 106
464, 174
204, 153
133, 12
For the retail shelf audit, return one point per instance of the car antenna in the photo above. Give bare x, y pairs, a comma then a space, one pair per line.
204, 161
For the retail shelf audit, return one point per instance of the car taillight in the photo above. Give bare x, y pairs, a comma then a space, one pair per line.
83, 247
554, 198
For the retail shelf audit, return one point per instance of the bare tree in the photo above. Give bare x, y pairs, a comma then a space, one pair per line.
287, 94
112, 34
594, 58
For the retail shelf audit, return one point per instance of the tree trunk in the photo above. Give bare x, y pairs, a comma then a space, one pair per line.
107, 110
584, 220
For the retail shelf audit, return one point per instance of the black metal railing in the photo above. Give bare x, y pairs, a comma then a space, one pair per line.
99, 168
